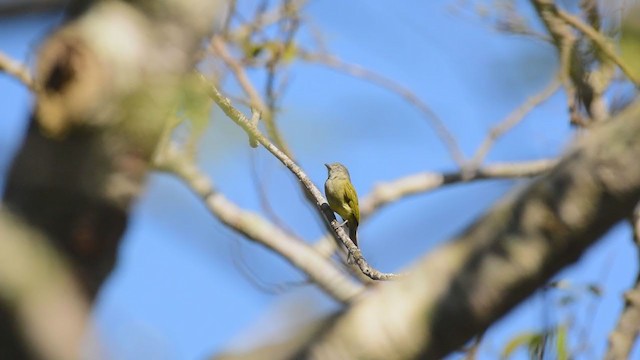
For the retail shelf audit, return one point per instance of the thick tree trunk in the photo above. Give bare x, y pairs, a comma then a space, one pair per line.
106, 82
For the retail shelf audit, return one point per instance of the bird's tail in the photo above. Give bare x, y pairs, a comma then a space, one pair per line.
353, 235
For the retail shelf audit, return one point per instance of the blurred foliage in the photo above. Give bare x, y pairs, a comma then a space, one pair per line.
630, 39
551, 344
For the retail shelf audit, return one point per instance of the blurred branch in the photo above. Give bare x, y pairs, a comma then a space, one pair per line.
565, 41
509, 122
263, 19
41, 289
333, 62
263, 197
601, 42
587, 58
97, 119
623, 337
17, 7
590, 10
17, 70
255, 279
386, 193
220, 49
321, 202
507, 21
231, 11
288, 28
461, 288
319, 270
471, 352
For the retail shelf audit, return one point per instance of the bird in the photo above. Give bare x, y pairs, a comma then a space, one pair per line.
343, 199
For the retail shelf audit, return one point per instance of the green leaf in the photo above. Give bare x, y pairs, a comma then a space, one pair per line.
290, 53
561, 342
630, 39
531, 340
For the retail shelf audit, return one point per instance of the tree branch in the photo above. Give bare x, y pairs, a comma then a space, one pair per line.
42, 292
319, 270
17, 70
386, 193
458, 290
509, 122
99, 113
409, 96
461, 288
565, 41
321, 202
601, 42
624, 335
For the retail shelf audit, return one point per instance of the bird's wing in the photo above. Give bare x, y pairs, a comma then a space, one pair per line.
351, 199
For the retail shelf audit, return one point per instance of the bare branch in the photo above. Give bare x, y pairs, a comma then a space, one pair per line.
471, 352
509, 122
263, 198
601, 42
40, 287
384, 194
456, 291
321, 202
254, 227
623, 337
90, 137
15, 69
265, 18
220, 48
17, 7
565, 41
409, 96
255, 100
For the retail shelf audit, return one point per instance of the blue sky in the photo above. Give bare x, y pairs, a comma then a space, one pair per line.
181, 289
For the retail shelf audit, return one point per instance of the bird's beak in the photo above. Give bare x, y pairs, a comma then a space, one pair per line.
328, 167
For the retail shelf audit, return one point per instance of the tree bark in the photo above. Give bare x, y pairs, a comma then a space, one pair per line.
100, 110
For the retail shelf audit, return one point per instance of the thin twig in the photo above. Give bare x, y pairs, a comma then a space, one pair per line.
263, 198
220, 48
241, 263
321, 202
254, 227
512, 120
289, 26
601, 42
255, 100
15, 69
565, 41
386, 193
262, 19
590, 10
472, 351
594, 305
255, 119
391, 85
231, 10
623, 337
